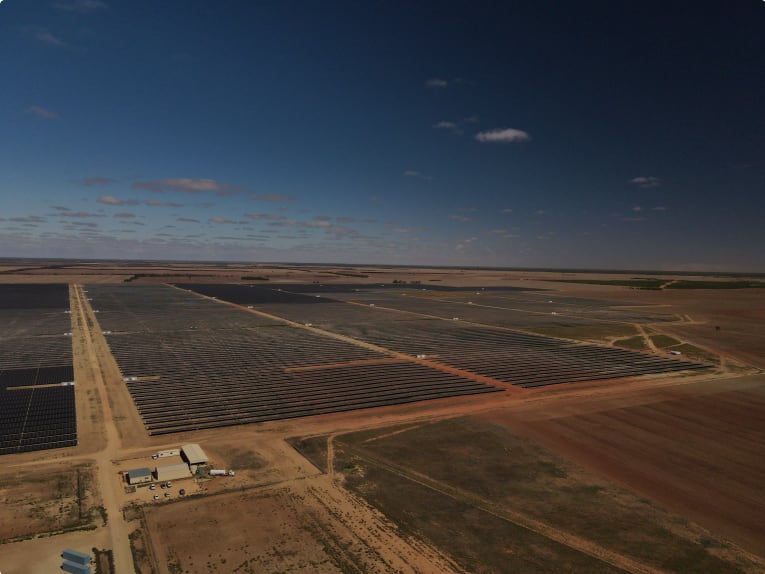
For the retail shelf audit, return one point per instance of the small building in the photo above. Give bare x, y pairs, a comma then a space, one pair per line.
173, 471
193, 454
139, 476
74, 568
76, 556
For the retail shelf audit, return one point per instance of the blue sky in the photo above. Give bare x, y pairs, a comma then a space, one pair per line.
592, 134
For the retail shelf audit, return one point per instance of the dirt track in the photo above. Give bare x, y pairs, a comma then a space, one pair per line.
118, 529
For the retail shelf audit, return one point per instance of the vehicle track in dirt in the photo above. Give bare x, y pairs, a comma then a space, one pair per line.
118, 528
567, 539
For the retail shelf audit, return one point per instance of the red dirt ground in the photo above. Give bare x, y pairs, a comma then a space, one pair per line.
696, 449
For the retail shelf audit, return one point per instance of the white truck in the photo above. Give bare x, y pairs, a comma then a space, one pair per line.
221, 472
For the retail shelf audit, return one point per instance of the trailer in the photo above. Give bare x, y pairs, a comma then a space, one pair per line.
75, 568
75, 556
221, 472
166, 453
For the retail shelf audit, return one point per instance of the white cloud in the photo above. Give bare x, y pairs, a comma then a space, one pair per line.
443, 125
502, 135
646, 181
436, 83
463, 245
156, 203
41, 112
28, 219
507, 210
270, 197
637, 209
659, 208
220, 220
46, 37
456, 217
259, 216
415, 173
78, 214
111, 200
81, 6
187, 185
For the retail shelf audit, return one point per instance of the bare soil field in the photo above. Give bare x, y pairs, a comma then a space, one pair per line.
43, 555
698, 449
51, 500
299, 527
496, 501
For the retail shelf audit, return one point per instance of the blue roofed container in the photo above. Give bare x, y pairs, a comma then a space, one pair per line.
74, 568
75, 556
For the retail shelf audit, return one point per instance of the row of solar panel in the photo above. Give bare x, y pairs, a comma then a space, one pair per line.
37, 418
36, 376
34, 296
26, 446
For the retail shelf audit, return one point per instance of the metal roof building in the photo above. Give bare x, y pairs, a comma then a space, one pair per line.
138, 476
173, 471
194, 454
74, 568
76, 555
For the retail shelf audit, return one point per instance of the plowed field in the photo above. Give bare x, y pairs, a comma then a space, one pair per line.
699, 450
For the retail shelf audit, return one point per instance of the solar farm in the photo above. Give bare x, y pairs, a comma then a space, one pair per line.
466, 336
37, 409
191, 361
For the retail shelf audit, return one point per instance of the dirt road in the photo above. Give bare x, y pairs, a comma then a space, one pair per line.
109, 484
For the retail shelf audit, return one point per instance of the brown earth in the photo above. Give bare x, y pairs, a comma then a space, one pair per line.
697, 449
498, 501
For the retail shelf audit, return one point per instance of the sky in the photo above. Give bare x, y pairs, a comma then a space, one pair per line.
588, 134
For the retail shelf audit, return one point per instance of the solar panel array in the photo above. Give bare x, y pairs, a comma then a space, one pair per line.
515, 358
509, 356
191, 363
37, 411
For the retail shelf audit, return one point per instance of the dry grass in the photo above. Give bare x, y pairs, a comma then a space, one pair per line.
462, 483
48, 501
